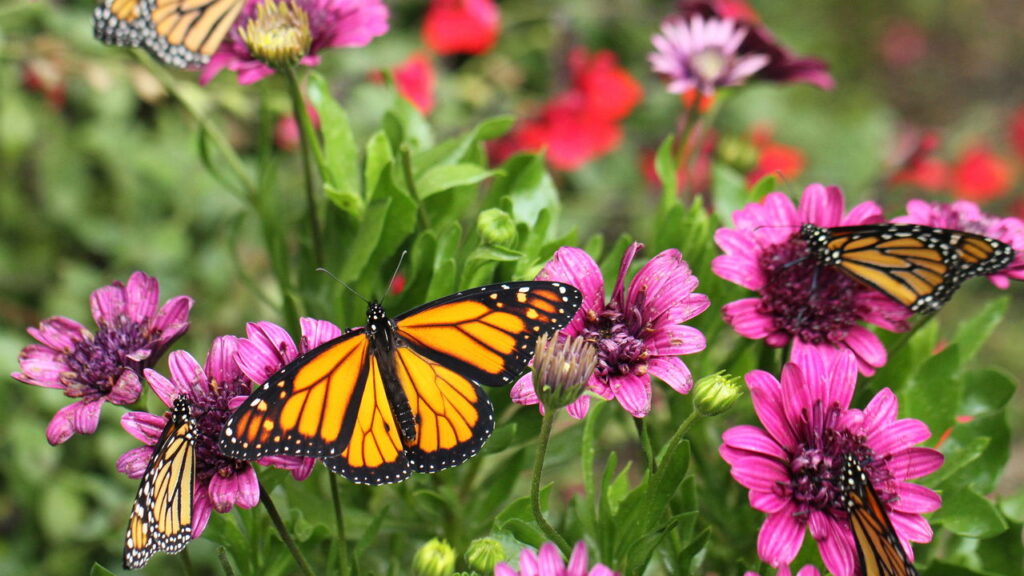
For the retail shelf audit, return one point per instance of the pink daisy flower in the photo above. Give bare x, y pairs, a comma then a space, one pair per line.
638, 333
92, 368
702, 53
212, 390
800, 302
792, 465
967, 216
808, 570
548, 562
332, 24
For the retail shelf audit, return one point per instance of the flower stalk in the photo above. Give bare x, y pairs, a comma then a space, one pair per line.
538, 466
307, 140
275, 517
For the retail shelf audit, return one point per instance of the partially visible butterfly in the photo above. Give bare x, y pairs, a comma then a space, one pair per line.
161, 517
878, 547
182, 33
402, 395
918, 266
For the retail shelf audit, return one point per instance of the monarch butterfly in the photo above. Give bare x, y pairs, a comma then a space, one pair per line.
918, 266
878, 547
182, 33
401, 395
161, 517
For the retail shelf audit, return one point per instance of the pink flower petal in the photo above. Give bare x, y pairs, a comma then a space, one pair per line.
835, 544
822, 205
780, 538
739, 271
766, 394
134, 462
316, 332
59, 333
619, 291
633, 393
239, 489
760, 474
916, 499
141, 297
82, 417
201, 510
767, 502
578, 560
863, 213
915, 462
41, 366
870, 351
672, 371
675, 340
576, 267
523, 393
187, 373
549, 559
173, 316
126, 389
107, 304
220, 362
144, 426
746, 320
580, 407
166, 390
911, 528
755, 440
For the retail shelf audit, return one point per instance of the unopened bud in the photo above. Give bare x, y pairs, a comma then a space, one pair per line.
561, 369
484, 554
435, 558
496, 228
716, 393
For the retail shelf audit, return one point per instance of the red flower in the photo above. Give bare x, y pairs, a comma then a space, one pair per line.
609, 91
415, 80
286, 131
461, 26
786, 162
980, 175
915, 164
1017, 132
581, 123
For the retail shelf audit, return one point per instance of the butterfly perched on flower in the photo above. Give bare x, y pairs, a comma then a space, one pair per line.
878, 547
402, 395
918, 266
161, 517
180, 33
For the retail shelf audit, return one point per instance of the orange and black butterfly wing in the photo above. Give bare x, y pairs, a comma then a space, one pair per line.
161, 517
445, 350
917, 266
312, 405
118, 23
185, 33
878, 548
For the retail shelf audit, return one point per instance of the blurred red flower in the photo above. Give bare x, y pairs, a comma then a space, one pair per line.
286, 130
416, 80
980, 175
461, 26
581, 123
786, 162
45, 76
916, 164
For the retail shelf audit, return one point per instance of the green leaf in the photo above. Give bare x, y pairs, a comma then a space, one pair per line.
341, 155
959, 454
378, 158
729, 189
1013, 507
458, 149
906, 355
446, 177
527, 187
933, 394
98, 570
404, 124
667, 169
973, 331
665, 481
592, 425
983, 474
525, 532
985, 391
967, 513
1004, 553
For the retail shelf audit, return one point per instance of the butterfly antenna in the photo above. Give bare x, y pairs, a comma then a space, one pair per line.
342, 282
401, 258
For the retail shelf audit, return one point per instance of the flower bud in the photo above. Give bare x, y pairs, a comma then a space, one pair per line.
561, 369
435, 558
738, 152
716, 393
496, 228
484, 554
279, 35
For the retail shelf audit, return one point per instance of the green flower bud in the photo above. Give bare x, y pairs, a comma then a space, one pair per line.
561, 369
435, 558
484, 554
738, 152
279, 34
496, 228
716, 393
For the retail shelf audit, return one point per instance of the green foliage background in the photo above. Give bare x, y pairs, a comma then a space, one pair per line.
115, 180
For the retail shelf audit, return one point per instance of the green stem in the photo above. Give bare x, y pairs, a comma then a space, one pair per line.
538, 467
410, 183
681, 432
645, 443
339, 520
307, 138
275, 517
222, 556
215, 135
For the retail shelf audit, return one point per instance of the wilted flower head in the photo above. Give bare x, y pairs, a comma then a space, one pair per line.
214, 391
332, 24
967, 216
637, 333
106, 366
702, 54
792, 464
279, 35
548, 562
801, 302
782, 65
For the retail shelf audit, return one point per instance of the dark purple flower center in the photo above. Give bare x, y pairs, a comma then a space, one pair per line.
210, 410
96, 363
814, 303
619, 339
816, 465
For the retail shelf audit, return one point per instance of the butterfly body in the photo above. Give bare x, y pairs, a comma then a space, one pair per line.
402, 395
918, 266
161, 517
878, 547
